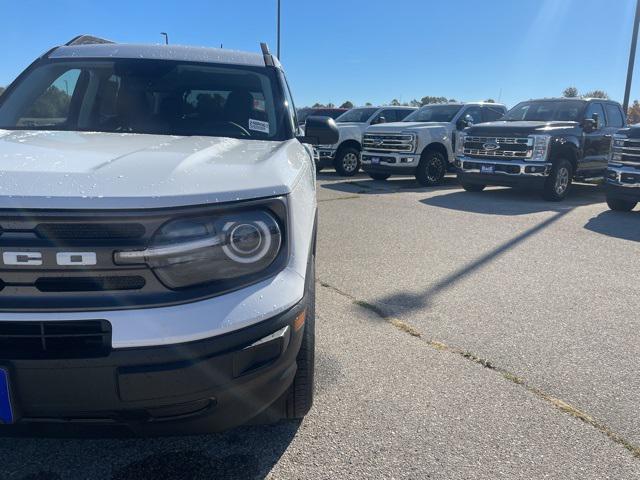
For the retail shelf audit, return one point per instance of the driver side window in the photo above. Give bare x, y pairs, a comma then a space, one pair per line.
474, 112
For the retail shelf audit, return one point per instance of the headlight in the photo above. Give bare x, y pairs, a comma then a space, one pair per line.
540, 148
230, 248
462, 137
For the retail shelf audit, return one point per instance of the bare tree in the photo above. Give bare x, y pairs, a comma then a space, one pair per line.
633, 116
347, 104
597, 94
570, 92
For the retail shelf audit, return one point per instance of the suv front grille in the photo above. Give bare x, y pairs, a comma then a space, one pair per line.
100, 231
39, 340
389, 142
507, 147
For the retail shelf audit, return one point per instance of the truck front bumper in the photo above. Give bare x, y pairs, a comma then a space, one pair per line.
623, 183
390, 163
324, 156
506, 173
207, 385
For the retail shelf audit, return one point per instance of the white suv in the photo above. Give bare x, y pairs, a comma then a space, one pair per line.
157, 239
423, 144
344, 154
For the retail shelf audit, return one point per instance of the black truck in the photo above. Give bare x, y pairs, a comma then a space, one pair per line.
544, 144
622, 182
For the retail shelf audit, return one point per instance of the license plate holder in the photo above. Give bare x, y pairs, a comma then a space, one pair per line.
8, 413
487, 169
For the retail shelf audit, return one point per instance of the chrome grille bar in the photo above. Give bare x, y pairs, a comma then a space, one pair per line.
389, 142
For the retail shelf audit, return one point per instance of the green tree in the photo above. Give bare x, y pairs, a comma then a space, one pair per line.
317, 105
428, 100
415, 103
633, 116
368, 104
570, 92
395, 102
347, 104
490, 100
596, 94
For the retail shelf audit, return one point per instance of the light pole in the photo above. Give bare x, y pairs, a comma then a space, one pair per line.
166, 37
279, 29
632, 58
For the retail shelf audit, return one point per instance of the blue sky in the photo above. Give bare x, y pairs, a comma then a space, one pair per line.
367, 50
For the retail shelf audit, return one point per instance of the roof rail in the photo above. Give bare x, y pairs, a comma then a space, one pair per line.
86, 40
268, 58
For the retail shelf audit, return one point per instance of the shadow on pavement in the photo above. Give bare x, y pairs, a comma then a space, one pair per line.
510, 201
403, 302
243, 453
623, 225
366, 185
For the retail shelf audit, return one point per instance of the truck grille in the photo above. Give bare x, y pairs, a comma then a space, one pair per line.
38, 340
389, 142
630, 152
501, 147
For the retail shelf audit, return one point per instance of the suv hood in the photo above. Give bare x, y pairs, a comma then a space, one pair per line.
518, 128
397, 127
53, 169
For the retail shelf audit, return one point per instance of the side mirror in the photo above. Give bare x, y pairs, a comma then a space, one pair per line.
320, 131
590, 124
465, 122
379, 120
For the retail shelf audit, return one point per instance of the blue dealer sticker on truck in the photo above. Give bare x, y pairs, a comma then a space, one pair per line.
6, 409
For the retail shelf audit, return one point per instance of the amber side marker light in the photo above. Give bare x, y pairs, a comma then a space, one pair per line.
298, 323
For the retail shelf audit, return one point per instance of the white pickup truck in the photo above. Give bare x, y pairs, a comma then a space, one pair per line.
423, 144
345, 154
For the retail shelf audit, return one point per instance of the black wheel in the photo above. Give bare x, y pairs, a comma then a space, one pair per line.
347, 161
472, 187
299, 397
558, 184
431, 169
621, 205
318, 168
379, 176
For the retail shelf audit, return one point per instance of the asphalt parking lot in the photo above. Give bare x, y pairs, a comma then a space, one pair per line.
460, 335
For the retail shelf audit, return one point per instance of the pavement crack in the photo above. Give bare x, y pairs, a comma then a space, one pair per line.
346, 197
557, 403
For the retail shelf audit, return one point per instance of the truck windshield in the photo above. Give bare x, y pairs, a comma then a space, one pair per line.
356, 115
547, 111
434, 113
147, 96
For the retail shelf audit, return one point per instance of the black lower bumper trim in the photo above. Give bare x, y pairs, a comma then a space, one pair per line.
384, 169
502, 180
208, 385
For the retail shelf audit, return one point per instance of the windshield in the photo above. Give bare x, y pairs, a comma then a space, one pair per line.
147, 96
434, 113
546, 111
356, 115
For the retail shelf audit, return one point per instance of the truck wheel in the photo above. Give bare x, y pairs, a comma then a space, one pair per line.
431, 169
347, 161
621, 205
472, 187
379, 176
558, 184
299, 398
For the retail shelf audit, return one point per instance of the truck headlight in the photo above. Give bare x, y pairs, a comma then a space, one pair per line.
540, 148
462, 137
229, 249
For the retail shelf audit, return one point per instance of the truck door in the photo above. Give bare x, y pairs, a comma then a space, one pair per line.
596, 143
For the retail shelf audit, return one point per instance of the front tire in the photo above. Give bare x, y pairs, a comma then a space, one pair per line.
557, 186
299, 397
620, 205
347, 161
431, 169
379, 176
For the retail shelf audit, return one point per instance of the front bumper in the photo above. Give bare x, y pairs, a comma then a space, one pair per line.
513, 173
324, 156
623, 183
390, 163
208, 385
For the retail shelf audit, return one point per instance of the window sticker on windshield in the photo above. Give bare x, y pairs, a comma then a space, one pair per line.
258, 126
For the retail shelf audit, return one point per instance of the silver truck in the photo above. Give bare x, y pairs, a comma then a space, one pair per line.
345, 154
423, 144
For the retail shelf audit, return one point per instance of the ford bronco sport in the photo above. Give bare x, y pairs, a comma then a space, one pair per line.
157, 239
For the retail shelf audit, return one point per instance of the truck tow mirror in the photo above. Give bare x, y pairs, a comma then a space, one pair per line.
590, 124
320, 131
379, 120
